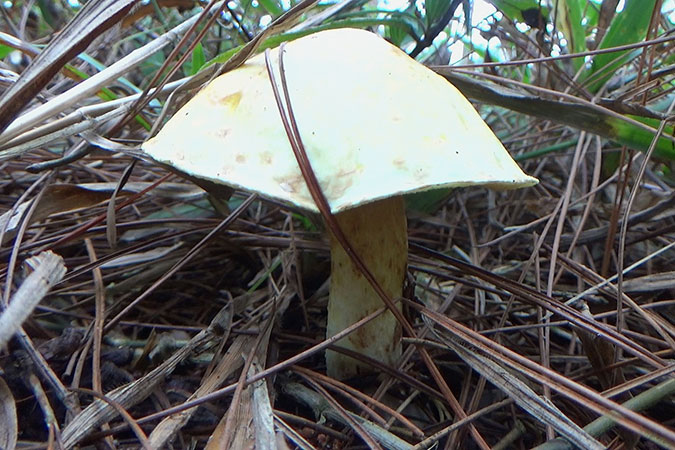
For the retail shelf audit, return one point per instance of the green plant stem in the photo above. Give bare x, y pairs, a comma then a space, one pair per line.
601, 425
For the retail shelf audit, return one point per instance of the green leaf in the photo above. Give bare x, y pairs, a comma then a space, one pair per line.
106, 94
627, 27
591, 14
641, 139
595, 120
100, 67
46, 9
305, 222
407, 20
5, 50
272, 6
569, 16
427, 202
276, 40
152, 64
435, 9
477, 48
543, 151
395, 34
198, 59
525, 11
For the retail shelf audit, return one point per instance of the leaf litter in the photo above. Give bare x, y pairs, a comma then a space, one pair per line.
210, 307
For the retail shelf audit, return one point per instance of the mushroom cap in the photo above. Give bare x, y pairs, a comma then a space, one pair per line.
375, 123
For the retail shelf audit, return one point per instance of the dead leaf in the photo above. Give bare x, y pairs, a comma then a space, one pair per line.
8, 423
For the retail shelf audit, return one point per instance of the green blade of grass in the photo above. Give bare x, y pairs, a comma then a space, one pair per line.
520, 10
628, 26
569, 16
619, 129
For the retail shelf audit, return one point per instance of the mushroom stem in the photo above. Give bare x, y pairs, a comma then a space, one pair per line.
378, 233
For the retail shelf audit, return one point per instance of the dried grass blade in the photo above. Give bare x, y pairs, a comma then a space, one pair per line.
549, 304
280, 24
663, 328
92, 84
48, 269
229, 363
640, 402
191, 254
173, 61
92, 20
56, 199
66, 132
569, 388
135, 428
291, 434
263, 416
356, 394
9, 428
325, 407
655, 282
131, 394
234, 429
111, 228
539, 407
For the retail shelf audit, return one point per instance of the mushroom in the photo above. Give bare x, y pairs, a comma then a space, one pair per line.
375, 125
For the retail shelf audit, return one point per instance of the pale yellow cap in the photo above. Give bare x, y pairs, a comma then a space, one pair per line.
374, 122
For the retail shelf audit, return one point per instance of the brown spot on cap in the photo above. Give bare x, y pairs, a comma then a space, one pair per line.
266, 158
230, 101
399, 163
221, 133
